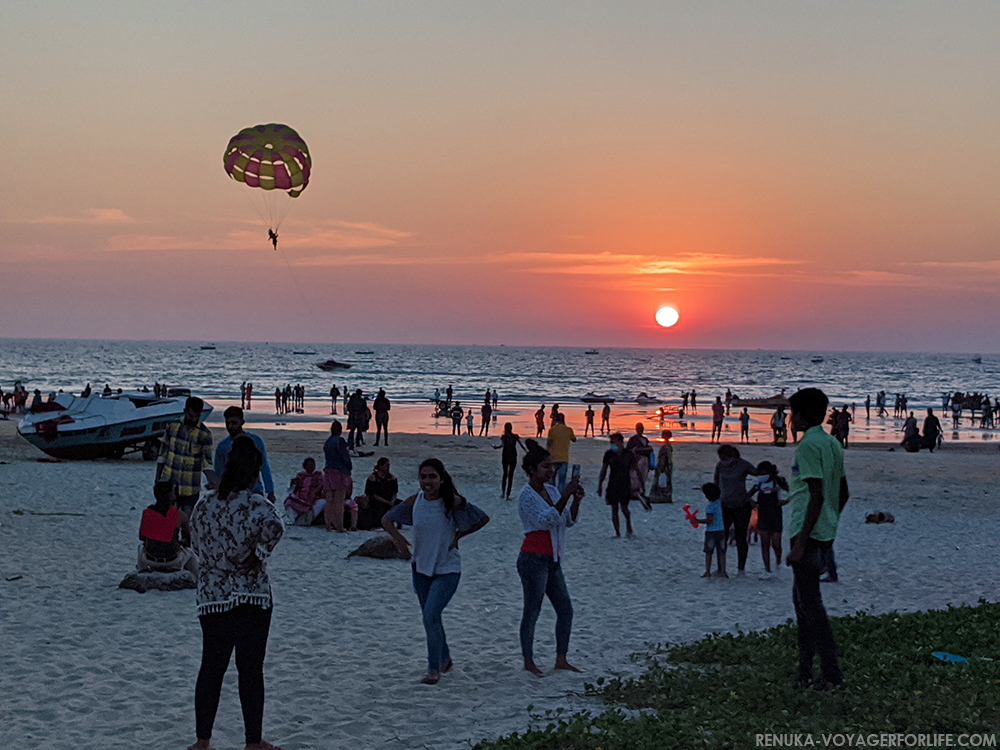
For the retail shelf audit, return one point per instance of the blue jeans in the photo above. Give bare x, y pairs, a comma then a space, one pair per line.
434, 593
560, 476
542, 576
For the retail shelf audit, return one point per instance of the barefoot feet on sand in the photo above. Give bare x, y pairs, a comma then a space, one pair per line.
431, 678
561, 663
262, 745
530, 666
446, 667
201, 745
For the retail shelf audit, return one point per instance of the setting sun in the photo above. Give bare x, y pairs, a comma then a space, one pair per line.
667, 316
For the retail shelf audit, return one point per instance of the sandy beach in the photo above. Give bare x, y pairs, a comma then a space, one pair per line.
87, 665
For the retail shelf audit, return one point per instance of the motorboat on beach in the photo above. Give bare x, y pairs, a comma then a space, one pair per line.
644, 399
332, 364
593, 398
771, 402
104, 426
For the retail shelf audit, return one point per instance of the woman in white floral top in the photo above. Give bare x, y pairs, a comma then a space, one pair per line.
234, 532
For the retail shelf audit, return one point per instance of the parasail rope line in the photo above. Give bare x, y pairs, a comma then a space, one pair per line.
303, 299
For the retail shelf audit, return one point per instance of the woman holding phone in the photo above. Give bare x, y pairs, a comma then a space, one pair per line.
545, 514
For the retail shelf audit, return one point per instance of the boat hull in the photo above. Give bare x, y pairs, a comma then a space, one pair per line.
83, 434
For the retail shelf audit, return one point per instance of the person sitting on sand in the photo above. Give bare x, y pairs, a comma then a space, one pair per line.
440, 517
715, 532
617, 465
545, 515
165, 535
381, 494
305, 501
767, 500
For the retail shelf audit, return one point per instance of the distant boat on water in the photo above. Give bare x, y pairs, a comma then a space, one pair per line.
332, 364
208, 347
977, 359
304, 352
592, 351
593, 398
771, 402
816, 360
364, 352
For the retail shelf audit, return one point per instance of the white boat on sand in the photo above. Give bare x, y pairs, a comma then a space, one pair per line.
103, 426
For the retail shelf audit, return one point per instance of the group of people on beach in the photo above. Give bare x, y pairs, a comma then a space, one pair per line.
232, 528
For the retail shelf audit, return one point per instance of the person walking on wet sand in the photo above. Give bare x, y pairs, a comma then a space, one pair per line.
932, 431
606, 418
617, 465
540, 421
382, 406
744, 426
718, 416
486, 413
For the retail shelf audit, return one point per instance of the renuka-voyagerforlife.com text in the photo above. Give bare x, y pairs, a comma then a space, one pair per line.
876, 740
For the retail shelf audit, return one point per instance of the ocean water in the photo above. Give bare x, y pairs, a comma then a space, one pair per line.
519, 374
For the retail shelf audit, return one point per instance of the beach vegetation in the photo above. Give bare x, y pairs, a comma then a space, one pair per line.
727, 688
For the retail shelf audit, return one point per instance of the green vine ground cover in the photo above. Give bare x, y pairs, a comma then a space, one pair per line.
722, 691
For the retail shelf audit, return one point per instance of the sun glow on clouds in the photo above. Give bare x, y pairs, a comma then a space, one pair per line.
633, 264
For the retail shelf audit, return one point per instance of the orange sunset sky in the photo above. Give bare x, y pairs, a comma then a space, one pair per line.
796, 175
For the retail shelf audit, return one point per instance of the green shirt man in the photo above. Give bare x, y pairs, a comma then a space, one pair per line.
818, 456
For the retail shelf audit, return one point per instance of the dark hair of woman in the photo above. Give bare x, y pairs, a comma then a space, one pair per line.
728, 451
449, 495
535, 455
382, 460
242, 468
162, 492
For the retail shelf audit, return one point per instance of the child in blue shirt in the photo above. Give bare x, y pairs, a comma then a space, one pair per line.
715, 534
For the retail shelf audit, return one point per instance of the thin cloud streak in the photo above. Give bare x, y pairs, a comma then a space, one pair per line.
93, 216
331, 234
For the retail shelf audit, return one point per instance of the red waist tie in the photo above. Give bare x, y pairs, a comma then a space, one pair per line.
539, 542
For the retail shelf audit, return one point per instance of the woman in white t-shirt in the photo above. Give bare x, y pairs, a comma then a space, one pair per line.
439, 517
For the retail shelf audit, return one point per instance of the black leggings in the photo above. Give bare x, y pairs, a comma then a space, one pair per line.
507, 482
740, 519
245, 628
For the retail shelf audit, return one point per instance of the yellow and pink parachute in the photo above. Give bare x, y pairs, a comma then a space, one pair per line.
274, 161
